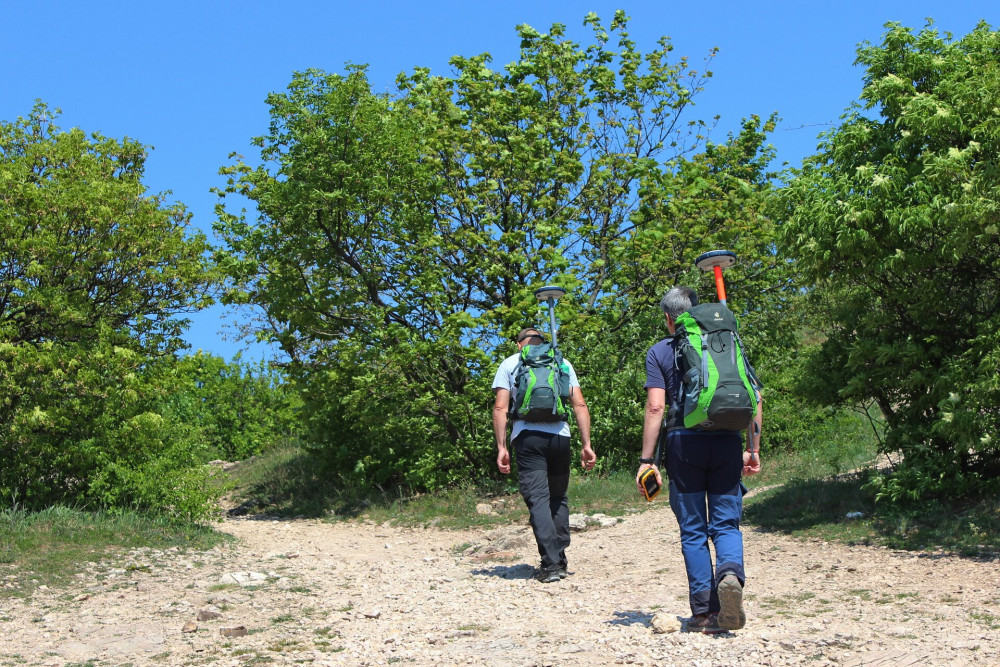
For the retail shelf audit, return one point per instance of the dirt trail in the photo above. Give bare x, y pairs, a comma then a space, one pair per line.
362, 594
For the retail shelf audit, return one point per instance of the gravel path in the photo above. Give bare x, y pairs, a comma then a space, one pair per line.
306, 592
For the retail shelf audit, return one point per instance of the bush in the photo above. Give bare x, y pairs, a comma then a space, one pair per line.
896, 224
87, 432
238, 409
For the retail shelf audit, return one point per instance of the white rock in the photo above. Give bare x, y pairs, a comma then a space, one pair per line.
664, 624
243, 578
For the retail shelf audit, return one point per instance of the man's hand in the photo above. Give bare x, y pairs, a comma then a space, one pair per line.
503, 460
587, 457
751, 463
643, 468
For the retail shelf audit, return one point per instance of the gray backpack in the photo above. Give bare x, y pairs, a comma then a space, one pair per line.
541, 385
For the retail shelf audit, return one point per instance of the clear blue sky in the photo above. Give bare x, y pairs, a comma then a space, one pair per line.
190, 78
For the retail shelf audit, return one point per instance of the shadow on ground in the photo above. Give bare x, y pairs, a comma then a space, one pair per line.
519, 571
293, 486
630, 617
804, 504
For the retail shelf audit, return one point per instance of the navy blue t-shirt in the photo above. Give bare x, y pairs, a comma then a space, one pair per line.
661, 369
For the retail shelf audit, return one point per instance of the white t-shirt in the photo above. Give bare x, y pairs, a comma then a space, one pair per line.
504, 379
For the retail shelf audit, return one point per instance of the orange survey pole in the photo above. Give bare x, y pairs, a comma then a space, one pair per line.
716, 260
720, 287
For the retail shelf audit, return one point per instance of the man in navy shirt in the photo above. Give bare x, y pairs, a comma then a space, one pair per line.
705, 469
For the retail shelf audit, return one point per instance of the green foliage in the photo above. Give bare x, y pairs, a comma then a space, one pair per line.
399, 238
92, 436
237, 409
285, 482
95, 273
897, 224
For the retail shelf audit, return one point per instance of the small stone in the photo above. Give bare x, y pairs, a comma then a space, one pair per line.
190, 626
373, 613
208, 615
243, 578
238, 631
664, 624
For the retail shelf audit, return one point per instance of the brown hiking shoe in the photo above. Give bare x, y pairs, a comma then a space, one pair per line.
731, 614
703, 623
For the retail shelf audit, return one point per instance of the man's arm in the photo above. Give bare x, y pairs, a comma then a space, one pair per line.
656, 401
500, 406
587, 456
751, 456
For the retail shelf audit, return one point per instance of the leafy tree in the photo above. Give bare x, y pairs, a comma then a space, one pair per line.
896, 223
94, 276
400, 238
238, 409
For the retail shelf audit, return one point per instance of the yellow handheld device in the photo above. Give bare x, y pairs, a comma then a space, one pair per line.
650, 487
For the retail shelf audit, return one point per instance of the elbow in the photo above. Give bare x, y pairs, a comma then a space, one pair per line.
655, 410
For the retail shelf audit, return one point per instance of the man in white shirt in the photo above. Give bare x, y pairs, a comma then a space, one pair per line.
543, 460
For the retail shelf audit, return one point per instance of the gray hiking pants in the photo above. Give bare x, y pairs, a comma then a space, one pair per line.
543, 462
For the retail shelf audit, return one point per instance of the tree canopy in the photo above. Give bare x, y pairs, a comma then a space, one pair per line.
896, 223
95, 276
393, 243
398, 238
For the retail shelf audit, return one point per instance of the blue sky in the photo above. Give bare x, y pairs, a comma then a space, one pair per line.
190, 78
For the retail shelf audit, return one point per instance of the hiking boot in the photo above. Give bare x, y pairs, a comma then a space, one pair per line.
563, 572
703, 623
731, 614
547, 575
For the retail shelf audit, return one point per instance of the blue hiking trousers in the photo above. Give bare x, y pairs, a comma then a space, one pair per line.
705, 469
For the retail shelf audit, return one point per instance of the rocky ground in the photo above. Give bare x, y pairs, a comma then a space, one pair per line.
307, 592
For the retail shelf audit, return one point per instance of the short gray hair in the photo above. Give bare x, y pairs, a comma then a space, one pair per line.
678, 300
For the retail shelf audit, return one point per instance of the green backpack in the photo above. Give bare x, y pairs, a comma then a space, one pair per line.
719, 387
541, 385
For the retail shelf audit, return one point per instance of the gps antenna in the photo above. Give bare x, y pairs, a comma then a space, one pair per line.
716, 260
549, 295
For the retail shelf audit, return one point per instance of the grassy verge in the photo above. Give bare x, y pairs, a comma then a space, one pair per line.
284, 483
49, 547
808, 494
840, 508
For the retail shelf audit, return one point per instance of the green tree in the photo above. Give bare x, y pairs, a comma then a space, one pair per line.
399, 238
896, 223
95, 274
237, 409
